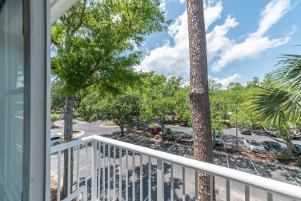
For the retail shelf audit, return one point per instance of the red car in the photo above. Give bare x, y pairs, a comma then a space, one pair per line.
155, 130
182, 123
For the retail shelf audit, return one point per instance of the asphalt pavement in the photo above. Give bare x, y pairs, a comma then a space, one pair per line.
291, 176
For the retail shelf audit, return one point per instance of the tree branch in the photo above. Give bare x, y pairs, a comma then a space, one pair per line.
80, 21
56, 44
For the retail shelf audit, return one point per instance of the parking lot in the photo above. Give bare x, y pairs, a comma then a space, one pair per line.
283, 174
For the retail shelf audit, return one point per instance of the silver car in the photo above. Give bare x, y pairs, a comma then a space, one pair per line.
254, 146
218, 140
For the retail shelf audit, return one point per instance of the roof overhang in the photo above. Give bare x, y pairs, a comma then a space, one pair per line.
59, 7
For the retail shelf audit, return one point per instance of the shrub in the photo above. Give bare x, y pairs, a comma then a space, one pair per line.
170, 136
74, 122
54, 118
280, 155
169, 122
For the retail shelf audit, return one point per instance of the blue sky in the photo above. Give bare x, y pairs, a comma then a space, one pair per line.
244, 39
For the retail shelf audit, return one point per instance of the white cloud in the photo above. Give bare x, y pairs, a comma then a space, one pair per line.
163, 6
256, 43
225, 82
174, 59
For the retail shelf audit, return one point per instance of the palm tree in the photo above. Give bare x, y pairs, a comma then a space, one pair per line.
198, 93
280, 106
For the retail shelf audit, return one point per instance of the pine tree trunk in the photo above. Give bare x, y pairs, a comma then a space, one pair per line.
68, 135
198, 94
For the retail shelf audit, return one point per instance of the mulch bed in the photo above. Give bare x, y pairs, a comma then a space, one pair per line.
229, 150
109, 124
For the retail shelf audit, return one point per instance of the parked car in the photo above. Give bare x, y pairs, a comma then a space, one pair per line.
218, 140
245, 130
271, 131
155, 130
254, 146
56, 139
182, 123
167, 130
275, 146
296, 137
297, 148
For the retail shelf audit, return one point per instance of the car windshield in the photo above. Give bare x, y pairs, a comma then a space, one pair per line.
218, 136
254, 143
298, 146
277, 146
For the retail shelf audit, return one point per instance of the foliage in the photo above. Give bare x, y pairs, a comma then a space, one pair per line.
54, 118
57, 96
159, 99
170, 136
74, 122
280, 155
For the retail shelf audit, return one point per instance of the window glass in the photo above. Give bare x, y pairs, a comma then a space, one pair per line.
11, 99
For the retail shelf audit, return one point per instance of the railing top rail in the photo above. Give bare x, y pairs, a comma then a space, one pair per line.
252, 180
72, 144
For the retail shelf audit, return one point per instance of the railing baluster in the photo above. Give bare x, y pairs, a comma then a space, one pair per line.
126, 176
120, 174
159, 180
211, 187
99, 166
114, 175
133, 174
149, 179
86, 166
172, 187
94, 170
141, 177
163, 179
69, 155
196, 186
109, 172
183, 181
78, 146
228, 189
104, 172
269, 196
247, 193
59, 177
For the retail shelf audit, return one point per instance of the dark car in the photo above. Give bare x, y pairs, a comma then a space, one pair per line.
167, 130
155, 130
297, 148
275, 146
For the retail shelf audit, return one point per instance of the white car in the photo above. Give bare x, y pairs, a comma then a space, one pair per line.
254, 146
271, 131
56, 139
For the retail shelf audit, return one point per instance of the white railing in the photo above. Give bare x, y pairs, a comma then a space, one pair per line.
103, 159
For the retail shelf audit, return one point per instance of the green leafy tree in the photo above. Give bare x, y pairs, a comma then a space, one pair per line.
94, 45
158, 100
121, 109
57, 96
182, 108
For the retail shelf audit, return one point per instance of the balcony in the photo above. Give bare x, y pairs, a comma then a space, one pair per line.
113, 169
